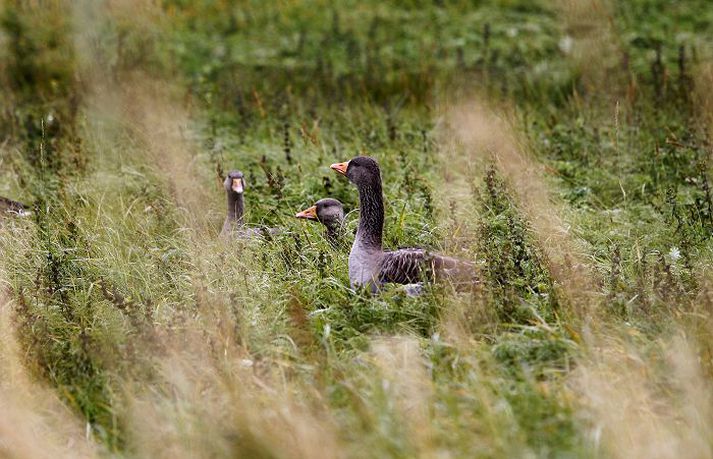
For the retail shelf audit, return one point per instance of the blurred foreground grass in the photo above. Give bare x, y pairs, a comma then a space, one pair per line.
562, 145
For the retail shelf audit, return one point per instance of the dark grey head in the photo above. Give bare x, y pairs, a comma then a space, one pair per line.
330, 211
364, 172
235, 182
327, 211
360, 170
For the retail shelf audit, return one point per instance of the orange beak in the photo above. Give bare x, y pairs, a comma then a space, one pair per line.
309, 214
340, 167
237, 185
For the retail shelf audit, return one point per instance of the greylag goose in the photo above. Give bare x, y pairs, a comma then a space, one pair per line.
330, 213
369, 264
10, 207
234, 224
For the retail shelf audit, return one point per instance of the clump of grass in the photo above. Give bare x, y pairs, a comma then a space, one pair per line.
514, 273
622, 389
35, 422
38, 71
55, 315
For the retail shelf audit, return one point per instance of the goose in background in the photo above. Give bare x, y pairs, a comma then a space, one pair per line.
369, 264
8, 207
330, 213
234, 224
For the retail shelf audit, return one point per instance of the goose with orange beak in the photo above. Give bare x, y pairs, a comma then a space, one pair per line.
234, 187
369, 264
330, 213
234, 224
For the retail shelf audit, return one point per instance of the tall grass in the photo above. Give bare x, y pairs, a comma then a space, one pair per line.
575, 175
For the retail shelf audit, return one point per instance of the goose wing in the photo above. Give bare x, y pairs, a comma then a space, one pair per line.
413, 265
405, 266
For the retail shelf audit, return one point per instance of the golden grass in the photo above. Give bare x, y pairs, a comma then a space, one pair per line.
34, 423
145, 107
703, 82
595, 50
484, 134
213, 399
634, 404
404, 371
645, 406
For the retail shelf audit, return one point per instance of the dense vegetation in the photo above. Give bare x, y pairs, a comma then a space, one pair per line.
565, 146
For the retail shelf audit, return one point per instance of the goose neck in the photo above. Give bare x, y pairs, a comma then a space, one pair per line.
371, 218
236, 207
334, 232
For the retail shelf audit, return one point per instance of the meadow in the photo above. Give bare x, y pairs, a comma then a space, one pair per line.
564, 146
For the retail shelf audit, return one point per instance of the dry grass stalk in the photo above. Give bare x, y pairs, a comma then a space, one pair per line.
213, 399
485, 135
592, 42
144, 106
34, 423
404, 371
639, 407
703, 81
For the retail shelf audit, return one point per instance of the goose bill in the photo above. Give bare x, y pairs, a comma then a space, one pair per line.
309, 214
237, 185
340, 167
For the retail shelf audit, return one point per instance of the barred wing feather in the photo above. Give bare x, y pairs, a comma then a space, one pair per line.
412, 265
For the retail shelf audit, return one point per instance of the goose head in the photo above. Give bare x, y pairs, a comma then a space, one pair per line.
364, 172
234, 182
327, 211
234, 187
361, 171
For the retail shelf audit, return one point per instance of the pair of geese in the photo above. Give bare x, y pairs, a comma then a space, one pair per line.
369, 265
